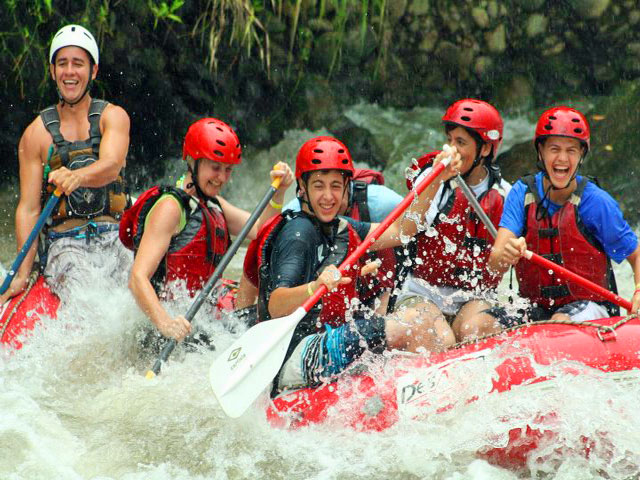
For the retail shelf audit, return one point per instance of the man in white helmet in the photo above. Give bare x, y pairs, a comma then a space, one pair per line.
78, 146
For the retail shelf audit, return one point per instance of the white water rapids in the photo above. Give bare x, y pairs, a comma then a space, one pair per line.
74, 404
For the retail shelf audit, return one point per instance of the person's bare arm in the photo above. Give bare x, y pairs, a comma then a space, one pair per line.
237, 217
284, 301
29, 208
507, 250
405, 224
161, 226
111, 159
634, 260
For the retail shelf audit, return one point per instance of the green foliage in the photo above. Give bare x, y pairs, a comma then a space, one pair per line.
164, 11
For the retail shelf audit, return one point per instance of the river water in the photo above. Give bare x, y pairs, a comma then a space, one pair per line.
75, 403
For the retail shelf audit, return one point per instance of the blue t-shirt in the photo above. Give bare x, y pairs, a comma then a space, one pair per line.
599, 212
380, 199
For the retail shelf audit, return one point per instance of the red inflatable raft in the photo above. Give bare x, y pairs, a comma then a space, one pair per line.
21, 314
413, 387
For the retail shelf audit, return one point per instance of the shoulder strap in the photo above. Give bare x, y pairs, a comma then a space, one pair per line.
51, 121
360, 199
95, 113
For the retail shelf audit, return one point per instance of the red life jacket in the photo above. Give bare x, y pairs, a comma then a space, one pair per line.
457, 255
195, 252
563, 240
333, 305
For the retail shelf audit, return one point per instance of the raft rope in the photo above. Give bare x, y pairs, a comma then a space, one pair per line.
601, 329
32, 281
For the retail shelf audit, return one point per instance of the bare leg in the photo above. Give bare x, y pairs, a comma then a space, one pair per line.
419, 328
247, 293
463, 326
478, 325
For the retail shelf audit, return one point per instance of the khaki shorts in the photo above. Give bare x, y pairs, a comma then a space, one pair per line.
73, 263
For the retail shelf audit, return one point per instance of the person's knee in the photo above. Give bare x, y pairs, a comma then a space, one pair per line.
476, 326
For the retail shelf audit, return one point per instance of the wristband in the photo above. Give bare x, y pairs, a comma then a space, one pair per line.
309, 289
277, 206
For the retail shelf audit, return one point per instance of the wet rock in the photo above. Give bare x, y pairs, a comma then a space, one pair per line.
496, 40
429, 41
528, 5
325, 50
480, 17
536, 25
518, 161
419, 7
516, 94
320, 25
589, 8
361, 143
482, 66
396, 10
493, 9
448, 52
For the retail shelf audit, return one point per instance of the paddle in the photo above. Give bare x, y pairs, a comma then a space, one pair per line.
244, 370
224, 261
44, 215
541, 261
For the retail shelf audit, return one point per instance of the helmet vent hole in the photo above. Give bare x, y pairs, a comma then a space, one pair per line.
468, 109
575, 120
318, 150
341, 150
220, 129
577, 130
218, 153
316, 161
552, 118
465, 118
345, 161
220, 142
548, 127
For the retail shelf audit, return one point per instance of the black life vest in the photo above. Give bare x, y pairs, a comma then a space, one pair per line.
84, 202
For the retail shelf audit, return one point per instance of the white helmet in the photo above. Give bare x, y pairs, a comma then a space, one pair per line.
74, 36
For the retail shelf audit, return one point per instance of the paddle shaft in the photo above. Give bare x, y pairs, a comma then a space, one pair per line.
224, 262
373, 236
44, 215
541, 261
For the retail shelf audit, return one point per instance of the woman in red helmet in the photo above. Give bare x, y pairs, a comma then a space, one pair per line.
302, 251
448, 276
566, 218
180, 234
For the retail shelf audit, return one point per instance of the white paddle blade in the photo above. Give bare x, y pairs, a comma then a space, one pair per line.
242, 372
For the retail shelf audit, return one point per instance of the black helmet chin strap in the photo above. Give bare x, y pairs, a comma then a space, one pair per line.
477, 161
194, 182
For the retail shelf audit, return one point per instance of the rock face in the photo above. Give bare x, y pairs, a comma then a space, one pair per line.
298, 64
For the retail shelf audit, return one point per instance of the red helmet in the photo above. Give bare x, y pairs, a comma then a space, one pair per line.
323, 153
564, 122
480, 117
212, 139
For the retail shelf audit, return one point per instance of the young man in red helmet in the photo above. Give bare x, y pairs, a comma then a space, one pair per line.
566, 218
448, 275
301, 251
78, 146
180, 234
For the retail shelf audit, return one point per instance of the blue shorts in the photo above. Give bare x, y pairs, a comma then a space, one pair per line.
321, 356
